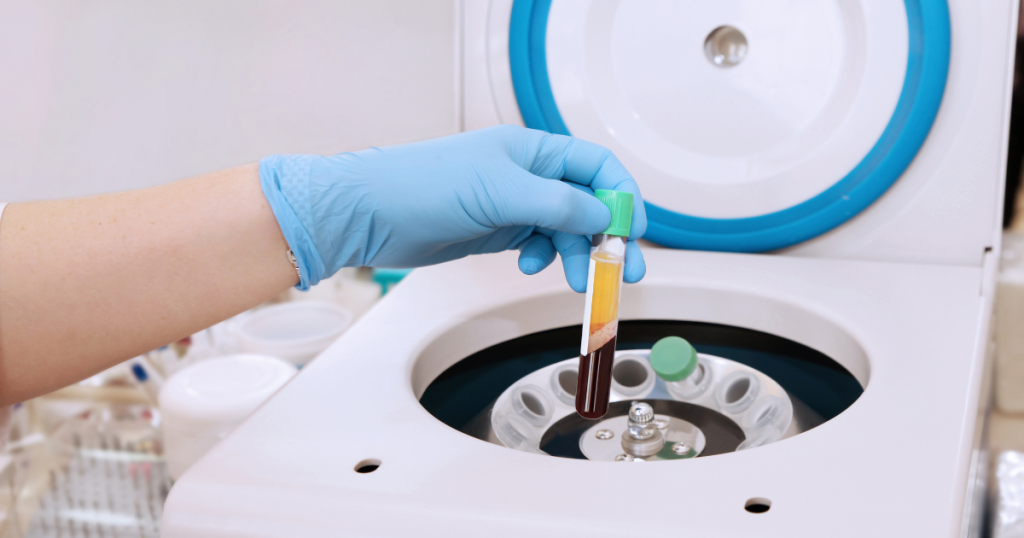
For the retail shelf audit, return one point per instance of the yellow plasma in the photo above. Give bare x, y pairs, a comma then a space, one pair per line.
604, 307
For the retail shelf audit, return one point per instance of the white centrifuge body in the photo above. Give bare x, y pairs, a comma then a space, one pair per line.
860, 143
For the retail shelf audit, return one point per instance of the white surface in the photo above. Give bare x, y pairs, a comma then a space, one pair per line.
488, 97
944, 209
295, 332
202, 403
107, 95
815, 91
947, 206
914, 334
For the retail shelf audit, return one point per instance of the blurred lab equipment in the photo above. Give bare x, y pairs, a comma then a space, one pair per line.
111, 479
353, 288
204, 402
99, 472
1009, 325
1008, 509
149, 380
389, 278
295, 332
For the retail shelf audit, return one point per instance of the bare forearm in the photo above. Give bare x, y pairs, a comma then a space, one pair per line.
87, 283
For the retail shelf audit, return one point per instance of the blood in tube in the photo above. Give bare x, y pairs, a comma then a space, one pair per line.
597, 349
601, 313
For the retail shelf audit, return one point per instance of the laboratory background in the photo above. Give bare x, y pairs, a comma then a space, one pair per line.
829, 339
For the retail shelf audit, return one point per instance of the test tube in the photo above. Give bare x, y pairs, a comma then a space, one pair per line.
601, 313
150, 381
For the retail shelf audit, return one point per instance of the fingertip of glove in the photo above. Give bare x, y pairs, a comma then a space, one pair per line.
576, 276
529, 265
635, 273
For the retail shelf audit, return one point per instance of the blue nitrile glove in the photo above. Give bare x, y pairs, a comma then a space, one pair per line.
429, 202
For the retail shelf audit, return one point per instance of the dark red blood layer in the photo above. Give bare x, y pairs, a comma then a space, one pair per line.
594, 383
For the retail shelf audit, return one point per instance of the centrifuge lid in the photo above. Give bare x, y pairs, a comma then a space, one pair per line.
819, 118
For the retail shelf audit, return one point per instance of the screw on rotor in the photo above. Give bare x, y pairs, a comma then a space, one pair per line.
642, 437
641, 415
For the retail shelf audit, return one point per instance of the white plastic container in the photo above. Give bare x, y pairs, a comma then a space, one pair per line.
205, 401
295, 332
350, 288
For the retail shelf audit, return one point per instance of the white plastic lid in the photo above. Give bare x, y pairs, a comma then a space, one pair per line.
729, 142
202, 403
296, 332
219, 393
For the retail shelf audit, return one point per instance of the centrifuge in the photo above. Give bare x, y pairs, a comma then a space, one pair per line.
823, 183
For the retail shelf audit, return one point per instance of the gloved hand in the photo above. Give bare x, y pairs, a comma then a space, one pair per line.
429, 202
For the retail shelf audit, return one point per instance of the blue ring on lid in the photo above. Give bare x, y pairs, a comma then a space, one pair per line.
923, 87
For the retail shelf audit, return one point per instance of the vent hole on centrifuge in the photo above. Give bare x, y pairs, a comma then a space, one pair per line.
567, 380
737, 390
533, 403
758, 505
367, 466
629, 373
725, 46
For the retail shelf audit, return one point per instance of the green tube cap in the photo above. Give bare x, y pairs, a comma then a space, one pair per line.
673, 358
621, 205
